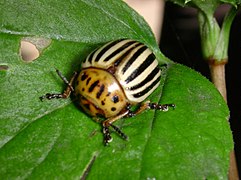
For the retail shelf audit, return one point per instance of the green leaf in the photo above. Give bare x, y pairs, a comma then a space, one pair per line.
55, 139
79, 21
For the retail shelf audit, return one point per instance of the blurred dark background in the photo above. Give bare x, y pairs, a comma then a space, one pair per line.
180, 41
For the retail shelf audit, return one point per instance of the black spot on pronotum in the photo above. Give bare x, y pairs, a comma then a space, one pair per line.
101, 90
102, 103
83, 89
115, 99
113, 109
93, 85
88, 80
84, 76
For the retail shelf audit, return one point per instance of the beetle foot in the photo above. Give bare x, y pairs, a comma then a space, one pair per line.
161, 107
51, 96
107, 136
55, 96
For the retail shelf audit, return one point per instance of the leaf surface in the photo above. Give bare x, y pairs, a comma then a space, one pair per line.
55, 139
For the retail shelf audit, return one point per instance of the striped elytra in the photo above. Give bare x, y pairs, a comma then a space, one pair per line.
131, 63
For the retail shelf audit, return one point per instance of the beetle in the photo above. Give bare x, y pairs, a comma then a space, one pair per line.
112, 79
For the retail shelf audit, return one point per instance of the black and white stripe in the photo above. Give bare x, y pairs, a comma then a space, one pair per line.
132, 63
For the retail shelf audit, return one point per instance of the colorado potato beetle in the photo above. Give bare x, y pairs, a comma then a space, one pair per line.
113, 78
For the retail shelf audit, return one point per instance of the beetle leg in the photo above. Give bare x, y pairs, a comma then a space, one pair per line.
149, 105
108, 122
66, 92
161, 107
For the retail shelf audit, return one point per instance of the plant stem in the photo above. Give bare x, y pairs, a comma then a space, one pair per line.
233, 171
218, 78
